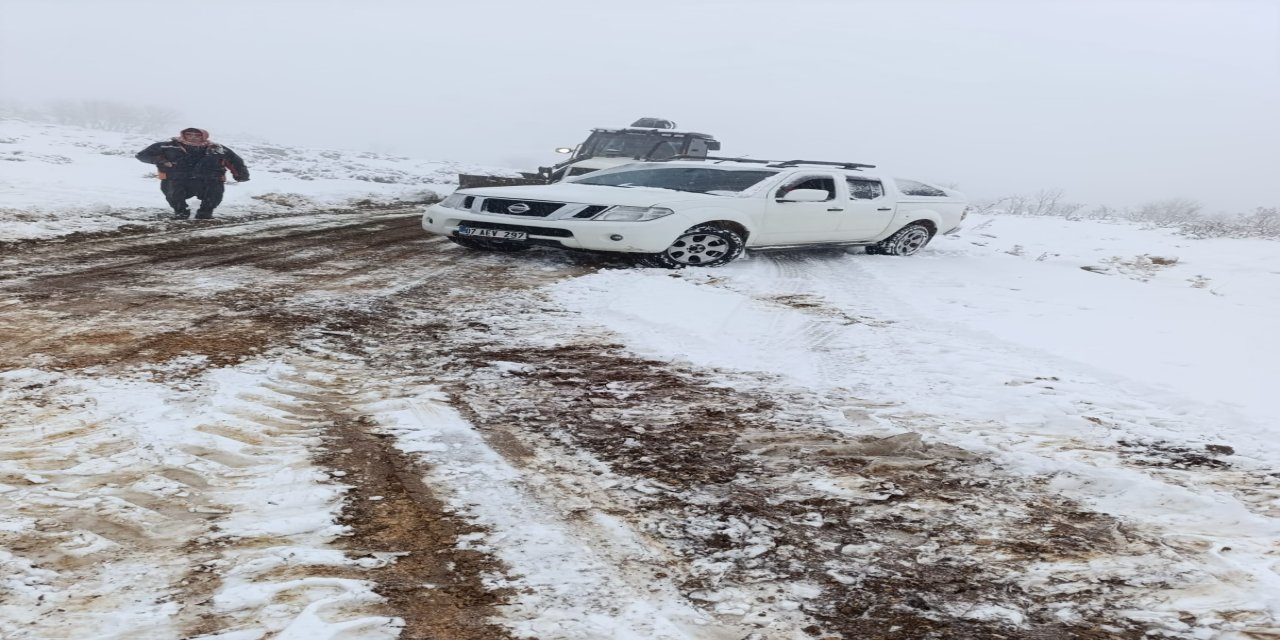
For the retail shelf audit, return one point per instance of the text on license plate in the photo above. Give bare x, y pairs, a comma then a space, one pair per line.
497, 234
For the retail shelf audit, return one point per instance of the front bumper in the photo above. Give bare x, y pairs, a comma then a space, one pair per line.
650, 236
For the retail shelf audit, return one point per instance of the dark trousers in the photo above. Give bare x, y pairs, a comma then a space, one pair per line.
178, 190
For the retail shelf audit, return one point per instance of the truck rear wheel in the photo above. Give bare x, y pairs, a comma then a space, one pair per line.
908, 241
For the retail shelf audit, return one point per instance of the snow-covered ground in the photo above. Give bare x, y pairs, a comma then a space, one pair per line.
1001, 342
60, 179
1130, 370
1195, 319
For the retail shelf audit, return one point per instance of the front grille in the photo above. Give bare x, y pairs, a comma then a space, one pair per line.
535, 209
533, 231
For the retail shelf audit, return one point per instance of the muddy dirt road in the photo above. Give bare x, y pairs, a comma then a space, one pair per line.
212, 430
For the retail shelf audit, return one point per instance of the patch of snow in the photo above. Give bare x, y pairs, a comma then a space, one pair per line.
62, 179
1021, 355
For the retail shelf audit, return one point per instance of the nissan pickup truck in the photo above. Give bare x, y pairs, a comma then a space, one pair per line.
704, 212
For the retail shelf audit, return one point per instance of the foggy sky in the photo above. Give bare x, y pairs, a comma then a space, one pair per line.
1115, 102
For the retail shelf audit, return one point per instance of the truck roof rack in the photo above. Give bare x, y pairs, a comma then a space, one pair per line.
717, 158
856, 166
777, 164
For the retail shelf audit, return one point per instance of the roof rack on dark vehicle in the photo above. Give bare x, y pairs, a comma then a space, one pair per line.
777, 164
654, 123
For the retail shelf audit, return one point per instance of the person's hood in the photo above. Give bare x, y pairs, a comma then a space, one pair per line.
204, 137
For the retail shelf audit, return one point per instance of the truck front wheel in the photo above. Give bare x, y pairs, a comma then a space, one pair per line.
705, 245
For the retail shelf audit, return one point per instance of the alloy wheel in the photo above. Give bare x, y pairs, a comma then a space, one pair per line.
698, 248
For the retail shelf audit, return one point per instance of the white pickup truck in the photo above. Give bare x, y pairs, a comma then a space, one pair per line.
703, 212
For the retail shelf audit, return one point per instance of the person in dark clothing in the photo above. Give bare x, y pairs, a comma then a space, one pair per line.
190, 166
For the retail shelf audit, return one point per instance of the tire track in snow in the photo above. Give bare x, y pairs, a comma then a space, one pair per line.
1101, 443
143, 530
115, 251
429, 583
230, 313
256, 552
751, 520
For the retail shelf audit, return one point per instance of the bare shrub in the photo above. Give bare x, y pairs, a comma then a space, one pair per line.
1264, 222
1100, 212
1183, 214
1168, 213
1045, 202
987, 206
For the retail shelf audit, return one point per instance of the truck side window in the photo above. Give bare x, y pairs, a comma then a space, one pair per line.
809, 182
913, 188
863, 189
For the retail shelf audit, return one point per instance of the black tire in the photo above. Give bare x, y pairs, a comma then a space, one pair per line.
487, 245
907, 241
705, 245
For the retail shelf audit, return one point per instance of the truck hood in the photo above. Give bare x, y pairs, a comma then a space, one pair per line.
594, 194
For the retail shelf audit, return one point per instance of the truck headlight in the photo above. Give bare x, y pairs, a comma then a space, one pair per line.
633, 214
454, 201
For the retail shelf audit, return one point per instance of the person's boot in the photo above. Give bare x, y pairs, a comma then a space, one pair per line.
181, 214
204, 214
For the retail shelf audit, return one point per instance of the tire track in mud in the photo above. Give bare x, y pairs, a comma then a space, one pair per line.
400, 539
758, 511
206, 247
24, 257
113, 313
137, 523
725, 487
403, 540
432, 585
1197, 467
770, 517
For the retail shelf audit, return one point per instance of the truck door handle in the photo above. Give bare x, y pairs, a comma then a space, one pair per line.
885, 209
835, 209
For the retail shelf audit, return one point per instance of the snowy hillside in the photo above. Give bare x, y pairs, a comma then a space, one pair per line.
60, 179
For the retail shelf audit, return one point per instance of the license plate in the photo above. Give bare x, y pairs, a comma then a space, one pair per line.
496, 234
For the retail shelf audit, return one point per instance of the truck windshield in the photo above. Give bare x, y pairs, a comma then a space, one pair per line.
632, 145
697, 179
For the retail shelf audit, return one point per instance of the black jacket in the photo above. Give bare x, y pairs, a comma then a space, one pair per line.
208, 162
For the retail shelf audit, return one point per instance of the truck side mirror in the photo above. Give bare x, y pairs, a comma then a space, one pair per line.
713, 145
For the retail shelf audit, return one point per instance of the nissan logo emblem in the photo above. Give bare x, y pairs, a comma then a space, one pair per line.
518, 208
